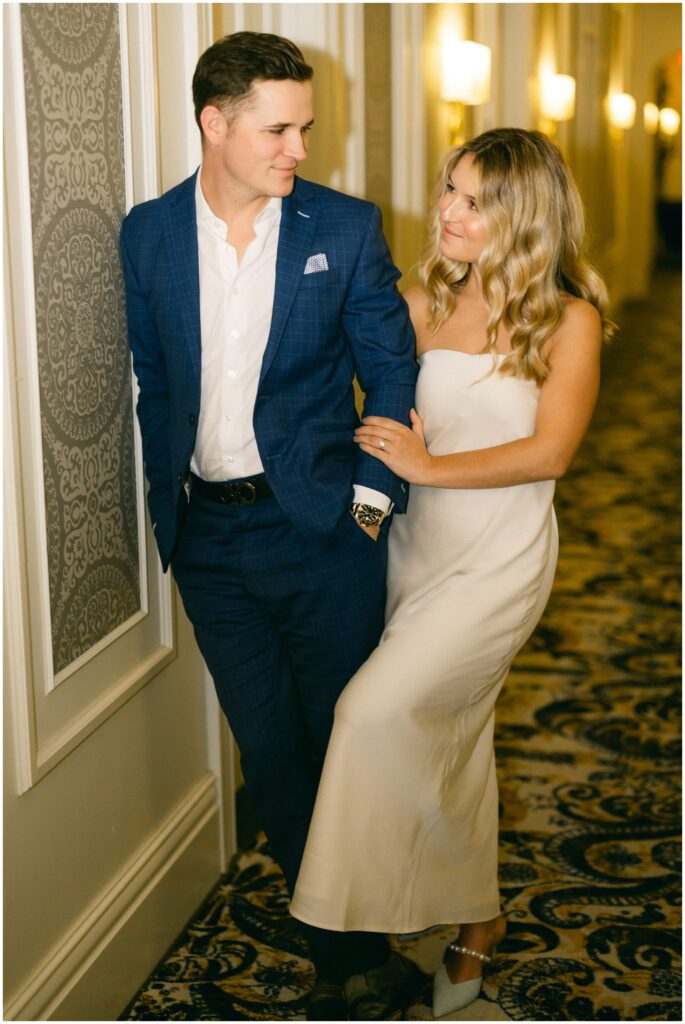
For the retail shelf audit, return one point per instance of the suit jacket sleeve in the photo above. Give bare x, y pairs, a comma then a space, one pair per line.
153, 406
376, 321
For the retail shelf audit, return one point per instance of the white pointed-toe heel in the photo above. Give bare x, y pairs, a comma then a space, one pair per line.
450, 996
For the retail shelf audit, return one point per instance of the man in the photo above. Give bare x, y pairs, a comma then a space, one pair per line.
253, 297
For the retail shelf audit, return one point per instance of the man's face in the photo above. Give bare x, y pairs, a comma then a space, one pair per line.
264, 143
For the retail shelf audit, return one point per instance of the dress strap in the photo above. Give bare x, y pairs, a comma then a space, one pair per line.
456, 948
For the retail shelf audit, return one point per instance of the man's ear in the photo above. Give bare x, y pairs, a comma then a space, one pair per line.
213, 123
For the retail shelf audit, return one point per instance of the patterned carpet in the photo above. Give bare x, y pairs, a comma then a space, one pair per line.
588, 757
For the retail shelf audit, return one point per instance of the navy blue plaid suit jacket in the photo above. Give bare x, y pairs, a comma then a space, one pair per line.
325, 327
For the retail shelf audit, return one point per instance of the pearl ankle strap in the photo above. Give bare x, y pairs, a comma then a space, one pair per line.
469, 952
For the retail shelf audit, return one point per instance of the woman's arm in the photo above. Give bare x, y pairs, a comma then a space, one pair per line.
567, 400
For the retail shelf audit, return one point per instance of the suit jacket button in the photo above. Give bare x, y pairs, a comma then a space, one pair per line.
180, 478
192, 419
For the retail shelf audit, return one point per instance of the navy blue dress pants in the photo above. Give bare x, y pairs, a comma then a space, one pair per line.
283, 621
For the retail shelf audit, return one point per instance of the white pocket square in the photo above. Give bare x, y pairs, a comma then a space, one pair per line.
315, 264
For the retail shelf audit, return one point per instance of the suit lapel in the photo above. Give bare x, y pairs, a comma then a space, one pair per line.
181, 233
298, 223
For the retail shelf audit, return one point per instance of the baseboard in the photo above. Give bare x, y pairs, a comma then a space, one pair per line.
114, 944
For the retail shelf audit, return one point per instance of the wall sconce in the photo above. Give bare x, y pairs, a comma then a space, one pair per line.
651, 118
464, 81
669, 122
557, 101
621, 110
620, 113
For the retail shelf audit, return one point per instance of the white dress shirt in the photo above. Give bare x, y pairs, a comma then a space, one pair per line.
236, 303
236, 306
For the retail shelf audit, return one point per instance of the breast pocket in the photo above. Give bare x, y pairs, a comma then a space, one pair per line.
319, 279
316, 314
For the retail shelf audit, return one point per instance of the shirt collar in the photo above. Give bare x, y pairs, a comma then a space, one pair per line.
205, 214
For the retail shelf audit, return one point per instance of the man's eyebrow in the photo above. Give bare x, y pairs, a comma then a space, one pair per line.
288, 124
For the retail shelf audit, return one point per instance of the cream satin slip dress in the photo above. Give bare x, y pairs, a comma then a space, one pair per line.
404, 833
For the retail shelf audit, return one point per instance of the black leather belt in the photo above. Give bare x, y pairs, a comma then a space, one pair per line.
232, 492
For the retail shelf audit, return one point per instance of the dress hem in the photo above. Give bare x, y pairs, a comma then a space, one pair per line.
473, 915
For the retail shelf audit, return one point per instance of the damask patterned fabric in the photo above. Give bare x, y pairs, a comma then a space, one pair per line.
72, 73
588, 748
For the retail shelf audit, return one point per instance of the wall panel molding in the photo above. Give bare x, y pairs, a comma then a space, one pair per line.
67, 983
55, 709
16, 611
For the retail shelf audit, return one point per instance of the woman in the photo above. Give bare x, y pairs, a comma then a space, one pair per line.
509, 322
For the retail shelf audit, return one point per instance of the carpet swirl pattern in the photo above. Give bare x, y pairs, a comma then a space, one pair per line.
588, 748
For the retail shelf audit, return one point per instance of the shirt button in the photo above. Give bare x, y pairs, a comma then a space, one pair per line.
228, 416
235, 291
229, 458
231, 374
235, 334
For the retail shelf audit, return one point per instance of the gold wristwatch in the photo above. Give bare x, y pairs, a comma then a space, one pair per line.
367, 515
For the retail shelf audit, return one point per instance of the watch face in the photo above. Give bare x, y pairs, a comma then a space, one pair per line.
367, 515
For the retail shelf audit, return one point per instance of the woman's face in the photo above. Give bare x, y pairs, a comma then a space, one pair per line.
463, 234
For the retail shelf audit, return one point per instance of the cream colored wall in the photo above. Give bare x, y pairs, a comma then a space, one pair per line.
79, 845
111, 845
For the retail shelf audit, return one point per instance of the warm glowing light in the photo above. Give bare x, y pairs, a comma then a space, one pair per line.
621, 110
669, 121
465, 72
557, 97
651, 118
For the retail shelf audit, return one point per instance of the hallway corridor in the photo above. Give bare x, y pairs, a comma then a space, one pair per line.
588, 756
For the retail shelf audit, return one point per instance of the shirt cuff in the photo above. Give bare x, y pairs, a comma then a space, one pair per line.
367, 496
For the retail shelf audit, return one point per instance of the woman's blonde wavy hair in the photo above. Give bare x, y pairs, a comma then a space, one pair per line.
535, 233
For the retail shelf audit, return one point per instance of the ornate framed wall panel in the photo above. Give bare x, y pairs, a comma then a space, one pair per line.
78, 151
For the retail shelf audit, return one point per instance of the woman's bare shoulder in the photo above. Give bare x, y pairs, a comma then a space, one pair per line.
415, 297
417, 300
580, 329
419, 314
581, 313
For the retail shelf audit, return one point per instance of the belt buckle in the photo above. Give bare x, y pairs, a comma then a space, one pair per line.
230, 496
236, 495
247, 492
